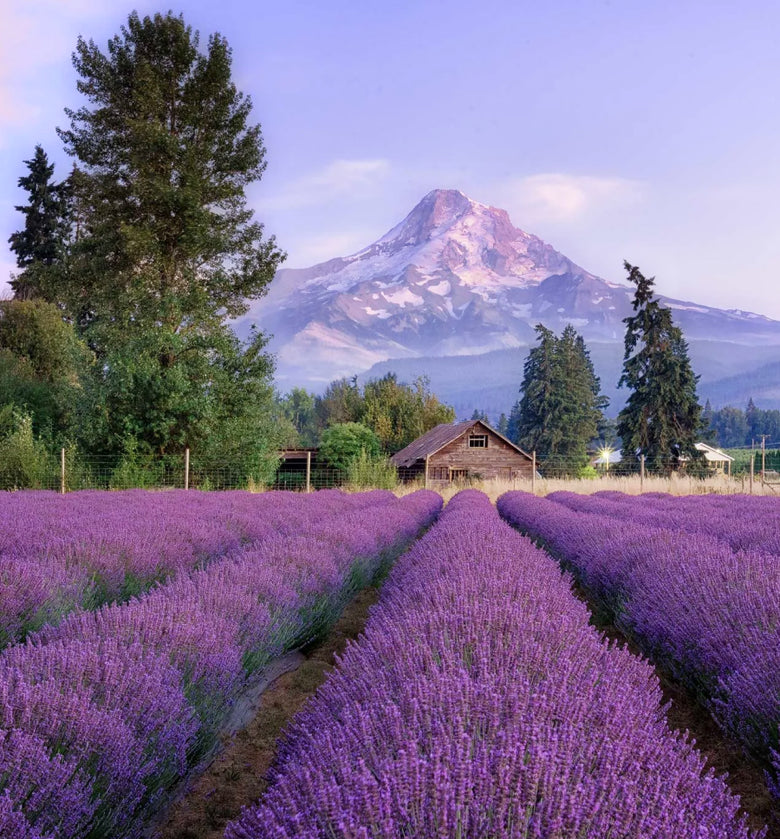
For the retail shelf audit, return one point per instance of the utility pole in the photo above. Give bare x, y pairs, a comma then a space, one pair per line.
763, 458
752, 468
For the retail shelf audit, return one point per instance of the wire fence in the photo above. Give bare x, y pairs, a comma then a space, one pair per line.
756, 473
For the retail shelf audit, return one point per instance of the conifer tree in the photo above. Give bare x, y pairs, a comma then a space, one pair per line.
662, 416
42, 242
561, 406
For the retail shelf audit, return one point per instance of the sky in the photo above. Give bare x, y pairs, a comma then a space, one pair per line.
643, 130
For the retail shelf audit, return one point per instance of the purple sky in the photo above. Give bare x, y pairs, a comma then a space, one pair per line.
647, 131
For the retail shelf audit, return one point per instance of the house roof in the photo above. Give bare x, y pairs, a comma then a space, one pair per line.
440, 436
714, 455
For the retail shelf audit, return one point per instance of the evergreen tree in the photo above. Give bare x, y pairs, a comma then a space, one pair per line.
730, 427
662, 416
561, 406
535, 412
502, 426
42, 242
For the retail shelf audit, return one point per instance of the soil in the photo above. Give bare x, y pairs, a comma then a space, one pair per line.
237, 776
745, 778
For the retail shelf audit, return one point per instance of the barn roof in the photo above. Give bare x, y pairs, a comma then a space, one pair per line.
440, 436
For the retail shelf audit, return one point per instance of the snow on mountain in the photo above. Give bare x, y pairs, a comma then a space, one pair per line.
454, 278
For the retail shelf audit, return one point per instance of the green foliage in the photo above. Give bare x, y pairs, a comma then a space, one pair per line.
344, 442
145, 250
397, 412
560, 408
24, 461
662, 416
298, 408
135, 470
42, 362
165, 154
367, 472
400, 413
42, 243
730, 426
342, 402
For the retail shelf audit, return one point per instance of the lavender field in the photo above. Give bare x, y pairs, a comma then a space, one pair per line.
103, 711
480, 701
694, 581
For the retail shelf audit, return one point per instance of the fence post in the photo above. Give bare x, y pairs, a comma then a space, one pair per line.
187, 468
752, 467
641, 473
533, 472
308, 471
426, 471
62, 471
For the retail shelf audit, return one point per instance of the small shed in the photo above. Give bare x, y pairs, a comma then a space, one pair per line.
462, 451
715, 457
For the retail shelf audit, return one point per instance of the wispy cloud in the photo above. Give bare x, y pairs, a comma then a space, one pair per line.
559, 197
339, 179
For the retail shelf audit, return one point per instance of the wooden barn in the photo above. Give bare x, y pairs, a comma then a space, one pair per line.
462, 451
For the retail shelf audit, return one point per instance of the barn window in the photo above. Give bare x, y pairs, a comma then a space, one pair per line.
478, 441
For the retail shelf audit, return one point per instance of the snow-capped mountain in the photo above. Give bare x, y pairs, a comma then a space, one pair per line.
454, 278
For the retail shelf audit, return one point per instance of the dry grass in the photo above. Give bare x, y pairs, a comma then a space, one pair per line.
631, 485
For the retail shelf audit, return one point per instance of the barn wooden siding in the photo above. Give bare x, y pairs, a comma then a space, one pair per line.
460, 461
452, 456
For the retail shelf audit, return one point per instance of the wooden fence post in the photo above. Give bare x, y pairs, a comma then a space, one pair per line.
533, 472
62, 471
641, 473
426, 471
187, 468
752, 467
308, 471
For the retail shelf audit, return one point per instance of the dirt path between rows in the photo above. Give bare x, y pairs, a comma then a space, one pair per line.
237, 777
745, 779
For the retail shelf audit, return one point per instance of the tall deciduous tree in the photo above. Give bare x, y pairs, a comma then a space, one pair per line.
165, 153
662, 416
167, 248
42, 242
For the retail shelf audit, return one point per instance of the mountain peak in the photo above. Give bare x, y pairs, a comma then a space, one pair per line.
435, 212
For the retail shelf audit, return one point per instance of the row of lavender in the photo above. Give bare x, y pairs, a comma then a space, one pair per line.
745, 522
79, 551
101, 714
706, 613
480, 702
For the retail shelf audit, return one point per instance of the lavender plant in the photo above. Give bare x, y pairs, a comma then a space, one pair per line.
107, 709
479, 702
705, 612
